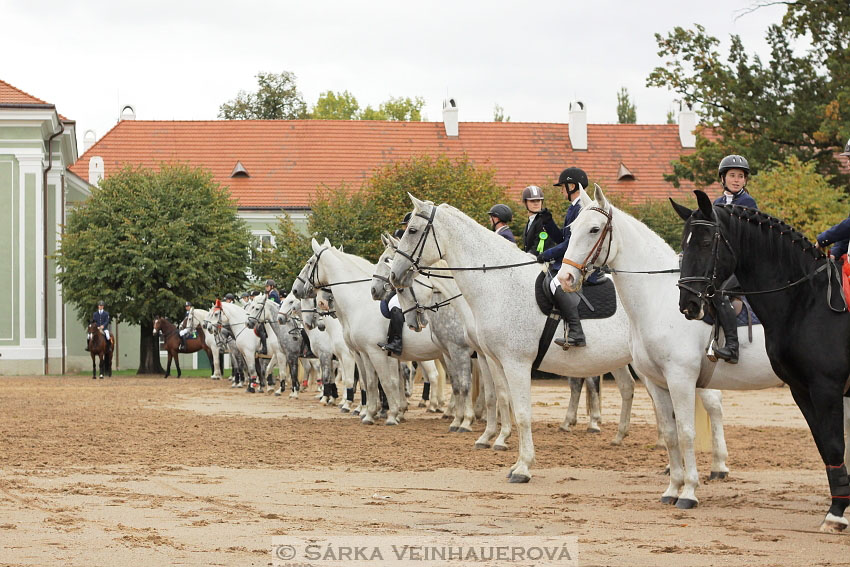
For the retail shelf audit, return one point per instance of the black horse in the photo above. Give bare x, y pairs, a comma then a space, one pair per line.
795, 291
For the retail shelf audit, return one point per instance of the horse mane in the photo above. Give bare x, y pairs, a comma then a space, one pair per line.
771, 235
483, 232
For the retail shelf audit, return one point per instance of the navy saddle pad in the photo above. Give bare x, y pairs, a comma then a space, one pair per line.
601, 297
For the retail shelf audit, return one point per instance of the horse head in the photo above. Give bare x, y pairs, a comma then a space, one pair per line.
256, 311
306, 281
157, 325
414, 301
707, 256
381, 287
591, 244
415, 248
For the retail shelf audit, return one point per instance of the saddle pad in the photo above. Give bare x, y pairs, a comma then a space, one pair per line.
601, 296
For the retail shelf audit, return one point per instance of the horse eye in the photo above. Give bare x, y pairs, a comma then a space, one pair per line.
411, 230
594, 230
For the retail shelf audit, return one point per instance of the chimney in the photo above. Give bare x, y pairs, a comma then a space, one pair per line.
450, 118
89, 138
95, 170
578, 126
127, 113
687, 125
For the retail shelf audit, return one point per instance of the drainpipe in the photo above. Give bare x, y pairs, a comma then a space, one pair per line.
44, 238
64, 353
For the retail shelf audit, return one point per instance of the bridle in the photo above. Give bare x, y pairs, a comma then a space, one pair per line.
252, 320
314, 275
711, 288
589, 262
419, 249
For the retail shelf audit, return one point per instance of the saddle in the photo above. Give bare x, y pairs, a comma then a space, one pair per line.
745, 316
598, 300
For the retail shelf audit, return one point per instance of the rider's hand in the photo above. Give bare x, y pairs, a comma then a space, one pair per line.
541, 259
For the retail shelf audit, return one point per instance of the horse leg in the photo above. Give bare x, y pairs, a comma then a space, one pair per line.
594, 408
177, 365
93, 367
517, 375
168, 364
432, 372
712, 401
822, 409
392, 388
487, 384
846, 430
503, 400
213, 362
373, 398
683, 395
667, 426
626, 385
572, 409
292, 361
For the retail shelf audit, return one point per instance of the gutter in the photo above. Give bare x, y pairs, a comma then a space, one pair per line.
44, 240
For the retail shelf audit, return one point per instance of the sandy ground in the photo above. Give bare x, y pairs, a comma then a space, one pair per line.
144, 471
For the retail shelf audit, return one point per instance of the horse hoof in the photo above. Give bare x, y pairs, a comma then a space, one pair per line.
594, 430
565, 428
391, 422
686, 504
367, 422
519, 478
464, 430
668, 499
446, 416
250, 390
422, 404
718, 475
94, 377
344, 410
482, 445
453, 429
500, 447
666, 471
833, 524
617, 441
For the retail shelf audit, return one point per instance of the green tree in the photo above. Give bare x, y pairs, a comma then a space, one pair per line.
626, 111
148, 240
333, 106
403, 109
796, 193
277, 98
794, 104
671, 117
284, 260
357, 218
499, 114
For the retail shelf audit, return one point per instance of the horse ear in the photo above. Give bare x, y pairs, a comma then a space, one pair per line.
218, 303
682, 210
417, 204
315, 246
584, 198
704, 204
600, 198
393, 241
327, 243
384, 240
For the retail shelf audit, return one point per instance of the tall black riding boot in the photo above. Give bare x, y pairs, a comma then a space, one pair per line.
393, 344
182, 347
262, 332
567, 304
727, 319
88, 344
426, 391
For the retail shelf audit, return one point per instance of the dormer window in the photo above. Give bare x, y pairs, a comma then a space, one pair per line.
623, 174
239, 170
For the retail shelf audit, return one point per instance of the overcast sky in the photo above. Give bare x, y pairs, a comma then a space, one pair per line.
182, 60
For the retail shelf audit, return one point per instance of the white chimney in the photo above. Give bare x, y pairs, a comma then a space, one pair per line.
127, 113
450, 117
95, 170
578, 126
687, 125
89, 138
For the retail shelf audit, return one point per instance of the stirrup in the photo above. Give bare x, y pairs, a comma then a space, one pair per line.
563, 343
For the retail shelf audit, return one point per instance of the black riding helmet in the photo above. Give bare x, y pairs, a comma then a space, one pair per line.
532, 193
229, 296
572, 175
100, 303
187, 304
734, 161
270, 283
406, 218
501, 212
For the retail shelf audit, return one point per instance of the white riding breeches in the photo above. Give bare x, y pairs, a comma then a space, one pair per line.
184, 332
393, 302
106, 332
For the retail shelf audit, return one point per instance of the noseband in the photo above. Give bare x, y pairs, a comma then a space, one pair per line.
711, 288
589, 261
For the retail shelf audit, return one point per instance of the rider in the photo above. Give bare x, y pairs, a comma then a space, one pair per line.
185, 326
733, 173
540, 232
500, 216
570, 179
271, 291
245, 298
839, 235
101, 317
391, 309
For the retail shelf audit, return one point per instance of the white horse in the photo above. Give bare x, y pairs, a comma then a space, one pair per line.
443, 232
196, 319
666, 348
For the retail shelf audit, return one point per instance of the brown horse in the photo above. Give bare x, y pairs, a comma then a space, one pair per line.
171, 340
101, 348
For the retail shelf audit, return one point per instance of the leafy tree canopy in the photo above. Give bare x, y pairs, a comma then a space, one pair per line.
795, 104
277, 98
283, 261
336, 106
499, 114
626, 111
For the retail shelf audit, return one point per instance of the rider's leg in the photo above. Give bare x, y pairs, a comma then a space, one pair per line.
727, 319
567, 304
88, 341
396, 327
262, 332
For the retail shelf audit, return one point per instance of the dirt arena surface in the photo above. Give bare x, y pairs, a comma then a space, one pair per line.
146, 471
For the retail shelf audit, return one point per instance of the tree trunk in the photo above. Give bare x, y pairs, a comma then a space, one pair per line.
149, 362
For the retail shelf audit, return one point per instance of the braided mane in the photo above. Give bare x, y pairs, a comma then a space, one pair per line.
785, 233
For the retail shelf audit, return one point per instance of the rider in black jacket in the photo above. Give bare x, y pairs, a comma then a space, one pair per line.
541, 232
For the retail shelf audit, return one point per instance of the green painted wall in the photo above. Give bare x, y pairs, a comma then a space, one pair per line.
30, 283
52, 229
22, 133
8, 250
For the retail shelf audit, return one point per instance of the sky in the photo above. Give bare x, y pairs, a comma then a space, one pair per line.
179, 60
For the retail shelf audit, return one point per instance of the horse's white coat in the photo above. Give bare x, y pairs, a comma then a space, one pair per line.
666, 348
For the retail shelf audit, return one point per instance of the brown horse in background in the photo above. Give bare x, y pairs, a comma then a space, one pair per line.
101, 348
171, 341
